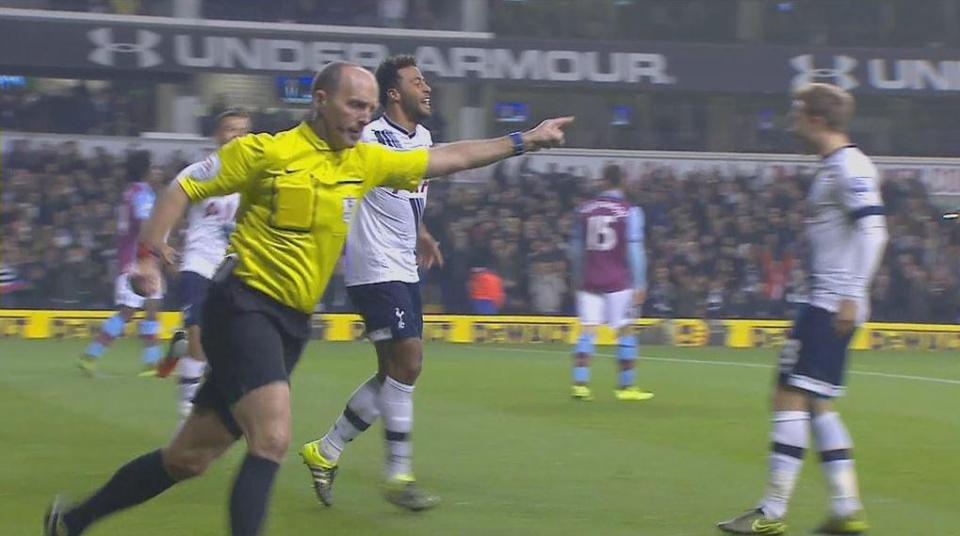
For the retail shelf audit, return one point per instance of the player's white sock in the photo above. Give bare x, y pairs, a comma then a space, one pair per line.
791, 435
836, 458
396, 406
362, 410
190, 371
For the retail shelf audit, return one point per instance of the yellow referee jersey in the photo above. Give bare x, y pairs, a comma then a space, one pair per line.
297, 198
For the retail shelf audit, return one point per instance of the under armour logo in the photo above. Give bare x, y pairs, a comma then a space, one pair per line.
106, 49
839, 75
400, 323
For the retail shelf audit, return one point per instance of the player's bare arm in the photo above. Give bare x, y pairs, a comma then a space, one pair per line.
428, 250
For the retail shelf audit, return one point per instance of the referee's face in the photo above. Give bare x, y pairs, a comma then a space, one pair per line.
348, 109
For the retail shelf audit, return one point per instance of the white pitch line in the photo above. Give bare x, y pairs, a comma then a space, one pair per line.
730, 364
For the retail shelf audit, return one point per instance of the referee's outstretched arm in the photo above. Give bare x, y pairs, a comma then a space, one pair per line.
461, 155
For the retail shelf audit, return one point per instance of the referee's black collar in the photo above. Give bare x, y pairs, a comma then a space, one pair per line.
398, 127
837, 150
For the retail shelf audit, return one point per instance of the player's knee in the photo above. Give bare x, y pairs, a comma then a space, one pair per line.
271, 443
406, 361
184, 463
786, 398
126, 313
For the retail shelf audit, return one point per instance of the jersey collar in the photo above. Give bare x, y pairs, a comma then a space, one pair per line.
398, 127
312, 137
616, 194
839, 150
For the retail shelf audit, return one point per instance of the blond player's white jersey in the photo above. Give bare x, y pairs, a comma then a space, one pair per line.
382, 242
846, 229
209, 224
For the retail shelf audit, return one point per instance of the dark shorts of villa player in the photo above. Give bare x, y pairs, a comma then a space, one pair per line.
814, 359
193, 295
391, 310
251, 340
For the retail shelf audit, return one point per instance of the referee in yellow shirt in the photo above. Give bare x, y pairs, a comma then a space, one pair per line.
299, 188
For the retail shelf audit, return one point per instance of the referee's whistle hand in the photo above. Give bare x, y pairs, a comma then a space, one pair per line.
549, 133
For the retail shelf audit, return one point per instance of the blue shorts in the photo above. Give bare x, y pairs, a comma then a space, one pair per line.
815, 357
390, 311
193, 294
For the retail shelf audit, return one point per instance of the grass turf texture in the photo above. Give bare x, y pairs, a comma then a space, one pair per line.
498, 438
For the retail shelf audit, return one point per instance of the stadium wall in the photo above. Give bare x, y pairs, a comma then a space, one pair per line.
50, 324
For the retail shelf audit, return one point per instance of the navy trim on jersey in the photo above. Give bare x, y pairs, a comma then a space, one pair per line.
417, 206
863, 212
398, 127
386, 137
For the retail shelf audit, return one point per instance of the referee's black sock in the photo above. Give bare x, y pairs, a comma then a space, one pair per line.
251, 493
136, 482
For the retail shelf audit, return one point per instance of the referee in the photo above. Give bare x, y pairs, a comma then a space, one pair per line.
299, 188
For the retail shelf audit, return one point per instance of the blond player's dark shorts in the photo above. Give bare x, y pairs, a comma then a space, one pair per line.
250, 340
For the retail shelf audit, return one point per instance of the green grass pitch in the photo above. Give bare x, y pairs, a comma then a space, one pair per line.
498, 438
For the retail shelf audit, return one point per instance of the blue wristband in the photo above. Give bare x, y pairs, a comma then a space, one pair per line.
518, 147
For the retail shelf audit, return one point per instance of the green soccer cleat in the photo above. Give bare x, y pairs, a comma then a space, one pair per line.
322, 471
581, 392
53, 524
753, 522
855, 523
403, 492
88, 366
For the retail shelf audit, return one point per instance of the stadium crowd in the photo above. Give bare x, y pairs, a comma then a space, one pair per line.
717, 245
78, 109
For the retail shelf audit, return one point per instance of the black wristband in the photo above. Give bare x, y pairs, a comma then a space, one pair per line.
518, 146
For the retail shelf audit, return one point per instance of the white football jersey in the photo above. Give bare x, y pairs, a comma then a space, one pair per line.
846, 229
382, 242
209, 224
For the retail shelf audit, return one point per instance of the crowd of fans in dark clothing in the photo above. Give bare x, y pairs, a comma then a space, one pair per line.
77, 109
718, 245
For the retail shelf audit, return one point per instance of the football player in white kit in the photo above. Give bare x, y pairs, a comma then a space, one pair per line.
847, 232
382, 280
209, 225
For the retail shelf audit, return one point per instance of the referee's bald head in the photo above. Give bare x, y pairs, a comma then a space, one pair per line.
329, 78
345, 96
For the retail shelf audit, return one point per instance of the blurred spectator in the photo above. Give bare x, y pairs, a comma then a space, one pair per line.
486, 291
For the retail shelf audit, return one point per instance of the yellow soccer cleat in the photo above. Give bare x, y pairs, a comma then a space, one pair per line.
632, 394
322, 471
753, 522
87, 366
402, 491
853, 524
581, 392
150, 372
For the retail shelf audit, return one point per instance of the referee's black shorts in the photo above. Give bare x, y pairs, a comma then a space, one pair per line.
251, 340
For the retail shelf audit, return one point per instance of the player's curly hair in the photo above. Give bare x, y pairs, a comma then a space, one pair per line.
388, 73
613, 176
137, 165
